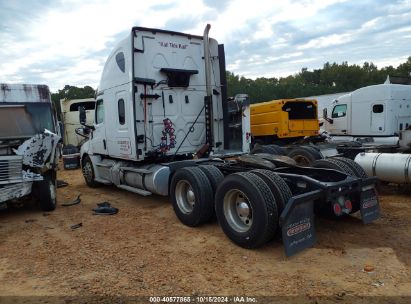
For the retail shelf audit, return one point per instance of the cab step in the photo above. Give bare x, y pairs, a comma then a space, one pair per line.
104, 165
136, 170
135, 190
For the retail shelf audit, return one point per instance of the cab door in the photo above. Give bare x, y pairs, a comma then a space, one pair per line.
378, 118
98, 141
339, 125
119, 120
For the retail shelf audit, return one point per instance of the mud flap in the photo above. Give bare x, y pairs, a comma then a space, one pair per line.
369, 206
297, 222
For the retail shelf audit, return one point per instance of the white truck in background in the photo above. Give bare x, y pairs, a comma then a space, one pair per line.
164, 125
377, 115
28, 144
379, 118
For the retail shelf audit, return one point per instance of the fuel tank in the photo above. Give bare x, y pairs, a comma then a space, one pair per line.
153, 178
390, 167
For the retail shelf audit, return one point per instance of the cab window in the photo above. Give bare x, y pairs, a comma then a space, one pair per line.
121, 61
99, 111
339, 111
378, 108
121, 112
88, 105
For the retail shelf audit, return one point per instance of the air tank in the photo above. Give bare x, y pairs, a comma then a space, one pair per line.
153, 178
390, 167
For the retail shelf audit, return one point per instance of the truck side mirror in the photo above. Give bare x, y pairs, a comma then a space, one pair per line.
61, 130
82, 115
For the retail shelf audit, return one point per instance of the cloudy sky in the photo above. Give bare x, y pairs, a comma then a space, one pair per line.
60, 42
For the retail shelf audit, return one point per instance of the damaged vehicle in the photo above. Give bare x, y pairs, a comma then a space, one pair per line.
29, 137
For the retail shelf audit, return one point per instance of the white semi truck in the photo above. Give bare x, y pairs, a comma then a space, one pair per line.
163, 125
28, 144
373, 115
378, 117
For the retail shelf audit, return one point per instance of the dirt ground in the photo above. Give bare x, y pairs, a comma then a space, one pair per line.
145, 250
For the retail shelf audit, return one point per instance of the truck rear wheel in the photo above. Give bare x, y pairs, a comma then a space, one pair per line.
278, 187
213, 174
356, 168
88, 172
192, 196
270, 149
261, 149
246, 210
46, 192
331, 163
304, 156
277, 150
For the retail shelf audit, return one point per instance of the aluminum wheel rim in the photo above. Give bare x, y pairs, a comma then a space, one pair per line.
87, 171
237, 210
185, 196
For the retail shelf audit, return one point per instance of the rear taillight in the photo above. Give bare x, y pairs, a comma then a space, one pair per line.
342, 205
348, 206
337, 209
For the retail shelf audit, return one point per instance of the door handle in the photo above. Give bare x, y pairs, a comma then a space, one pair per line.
104, 144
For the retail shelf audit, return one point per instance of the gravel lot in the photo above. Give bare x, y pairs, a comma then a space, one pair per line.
145, 250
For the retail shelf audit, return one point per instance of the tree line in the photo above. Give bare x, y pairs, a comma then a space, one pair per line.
331, 78
71, 92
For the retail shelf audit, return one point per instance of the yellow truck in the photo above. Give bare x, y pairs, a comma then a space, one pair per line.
289, 127
284, 120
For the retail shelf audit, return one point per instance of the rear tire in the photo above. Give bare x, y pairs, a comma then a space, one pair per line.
262, 149
278, 187
214, 175
270, 149
192, 196
304, 156
331, 163
356, 168
277, 150
246, 210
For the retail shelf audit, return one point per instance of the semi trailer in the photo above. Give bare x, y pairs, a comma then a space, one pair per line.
164, 126
29, 137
